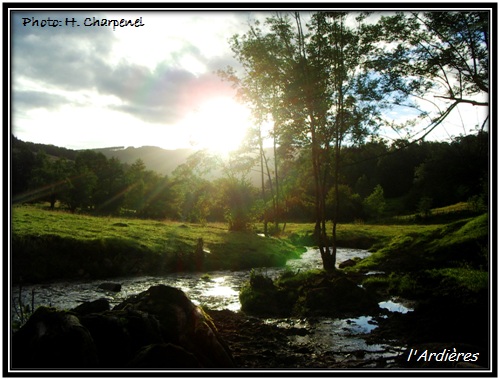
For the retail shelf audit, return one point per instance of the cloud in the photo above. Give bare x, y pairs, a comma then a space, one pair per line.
80, 60
36, 99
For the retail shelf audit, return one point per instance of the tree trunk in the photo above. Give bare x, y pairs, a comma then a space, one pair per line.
263, 181
277, 203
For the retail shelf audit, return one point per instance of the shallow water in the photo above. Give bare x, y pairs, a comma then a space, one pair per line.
219, 290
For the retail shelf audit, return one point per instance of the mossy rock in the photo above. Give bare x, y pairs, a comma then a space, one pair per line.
338, 298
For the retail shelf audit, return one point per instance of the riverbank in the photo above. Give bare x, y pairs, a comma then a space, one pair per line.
57, 245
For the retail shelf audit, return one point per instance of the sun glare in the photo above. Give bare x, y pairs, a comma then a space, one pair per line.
220, 125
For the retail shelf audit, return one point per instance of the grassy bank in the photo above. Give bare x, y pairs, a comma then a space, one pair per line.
461, 243
363, 236
54, 244
450, 261
444, 264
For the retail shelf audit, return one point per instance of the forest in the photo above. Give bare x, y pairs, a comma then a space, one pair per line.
378, 182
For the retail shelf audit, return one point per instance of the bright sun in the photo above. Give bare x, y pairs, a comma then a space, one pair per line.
220, 125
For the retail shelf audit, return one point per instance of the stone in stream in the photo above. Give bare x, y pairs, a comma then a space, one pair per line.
102, 304
158, 328
347, 263
111, 286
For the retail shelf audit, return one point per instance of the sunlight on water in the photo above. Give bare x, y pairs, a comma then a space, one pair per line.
311, 259
395, 307
219, 290
341, 336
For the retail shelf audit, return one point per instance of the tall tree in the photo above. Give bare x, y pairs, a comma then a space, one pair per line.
318, 96
261, 86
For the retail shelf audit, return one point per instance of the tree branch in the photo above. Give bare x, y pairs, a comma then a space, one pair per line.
461, 100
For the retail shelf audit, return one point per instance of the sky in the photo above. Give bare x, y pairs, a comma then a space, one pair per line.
81, 87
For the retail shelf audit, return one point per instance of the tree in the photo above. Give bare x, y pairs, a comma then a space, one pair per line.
454, 172
80, 187
23, 162
49, 178
106, 189
425, 207
438, 58
193, 195
238, 198
311, 77
261, 87
375, 203
111, 186
135, 194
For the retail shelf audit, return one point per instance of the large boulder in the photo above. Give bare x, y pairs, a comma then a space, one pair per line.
158, 328
182, 323
347, 263
119, 335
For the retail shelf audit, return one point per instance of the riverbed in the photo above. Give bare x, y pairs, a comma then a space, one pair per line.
216, 290
219, 290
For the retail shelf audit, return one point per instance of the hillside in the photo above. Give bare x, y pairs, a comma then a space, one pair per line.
157, 159
162, 161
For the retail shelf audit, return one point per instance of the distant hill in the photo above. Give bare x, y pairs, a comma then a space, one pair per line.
157, 159
160, 160
50, 150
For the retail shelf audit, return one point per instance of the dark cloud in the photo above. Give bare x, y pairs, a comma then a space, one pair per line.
36, 99
78, 59
65, 57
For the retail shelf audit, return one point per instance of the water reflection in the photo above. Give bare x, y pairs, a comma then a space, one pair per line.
311, 259
220, 290
341, 337
395, 307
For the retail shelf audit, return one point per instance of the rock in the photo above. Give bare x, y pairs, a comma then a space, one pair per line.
120, 224
111, 286
53, 339
164, 356
158, 328
199, 255
97, 306
183, 324
347, 263
259, 281
340, 297
119, 335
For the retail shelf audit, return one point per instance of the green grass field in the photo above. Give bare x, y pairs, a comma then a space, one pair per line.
51, 244
56, 243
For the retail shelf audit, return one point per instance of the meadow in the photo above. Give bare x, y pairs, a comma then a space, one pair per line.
49, 245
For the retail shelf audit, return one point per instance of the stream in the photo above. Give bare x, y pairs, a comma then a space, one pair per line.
219, 290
